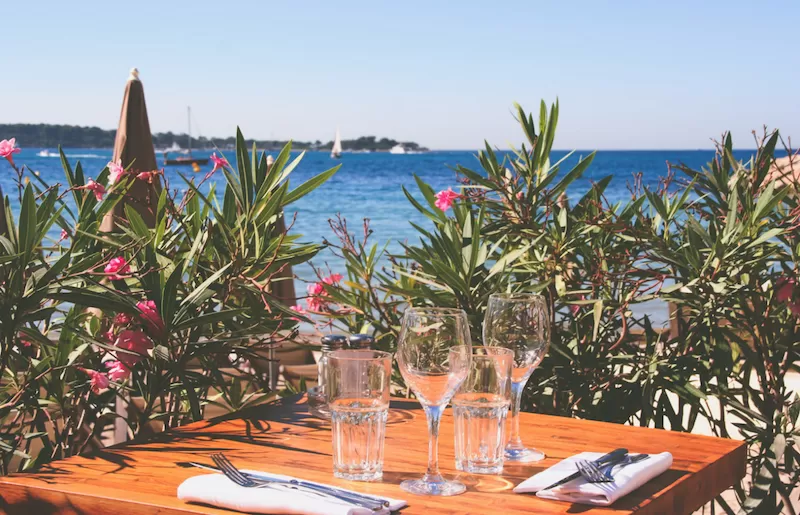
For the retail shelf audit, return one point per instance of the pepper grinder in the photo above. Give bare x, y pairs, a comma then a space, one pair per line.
361, 342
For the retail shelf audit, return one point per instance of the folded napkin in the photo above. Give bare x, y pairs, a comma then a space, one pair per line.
626, 480
219, 491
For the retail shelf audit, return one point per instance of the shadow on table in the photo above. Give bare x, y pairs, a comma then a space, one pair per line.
294, 411
267, 425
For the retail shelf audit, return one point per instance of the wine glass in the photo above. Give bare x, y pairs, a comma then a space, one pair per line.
434, 354
520, 322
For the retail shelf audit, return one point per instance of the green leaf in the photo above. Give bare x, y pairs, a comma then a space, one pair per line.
310, 185
766, 480
27, 224
136, 222
209, 318
598, 316
198, 293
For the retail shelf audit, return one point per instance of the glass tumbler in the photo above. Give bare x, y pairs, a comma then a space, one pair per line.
480, 407
357, 391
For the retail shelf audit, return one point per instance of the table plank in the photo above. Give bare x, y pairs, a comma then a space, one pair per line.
142, 477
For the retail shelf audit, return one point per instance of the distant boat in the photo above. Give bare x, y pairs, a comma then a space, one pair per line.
336, 150
173, 149
397, 149
48, 153
187, 159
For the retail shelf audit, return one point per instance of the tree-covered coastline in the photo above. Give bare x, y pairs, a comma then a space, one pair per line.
47, 135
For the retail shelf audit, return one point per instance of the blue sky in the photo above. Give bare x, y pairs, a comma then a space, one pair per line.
629, 74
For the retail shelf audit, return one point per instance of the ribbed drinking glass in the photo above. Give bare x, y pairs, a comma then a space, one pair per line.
357, 390
480, 407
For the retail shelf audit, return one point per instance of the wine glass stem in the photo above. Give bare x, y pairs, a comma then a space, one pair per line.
434, 416
515, 442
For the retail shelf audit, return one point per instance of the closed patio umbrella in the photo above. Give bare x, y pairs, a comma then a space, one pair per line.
133, 147
283, 288
134, 144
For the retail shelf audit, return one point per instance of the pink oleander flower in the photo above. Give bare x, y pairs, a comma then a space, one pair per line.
786, 292
107, 336
575, 308
115, 171
116, 268
98, 380
134, 341
24, 340
315, 289
8, 147
520, 195
784, 289
116, 370
298, 309
148, 311
315, 304
122, 319
445, 199
64, 235
219, 162
95, 187
333, 279
148, 176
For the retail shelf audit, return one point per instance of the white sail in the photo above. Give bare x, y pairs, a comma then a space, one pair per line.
336, 150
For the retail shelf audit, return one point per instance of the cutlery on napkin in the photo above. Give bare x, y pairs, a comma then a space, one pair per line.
626, 480
217, 490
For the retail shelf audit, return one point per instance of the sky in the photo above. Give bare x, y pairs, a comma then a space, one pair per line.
628, 74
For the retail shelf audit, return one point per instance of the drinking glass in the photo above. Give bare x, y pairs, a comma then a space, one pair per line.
520, 322
357, 390
433, 354
480, 407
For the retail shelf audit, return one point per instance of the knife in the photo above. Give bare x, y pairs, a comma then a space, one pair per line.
612, 457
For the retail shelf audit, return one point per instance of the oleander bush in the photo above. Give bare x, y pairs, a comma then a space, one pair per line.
720, 244
140, 326
156, 320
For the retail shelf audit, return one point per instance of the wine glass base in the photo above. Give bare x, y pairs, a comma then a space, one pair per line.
441, 488
523, 455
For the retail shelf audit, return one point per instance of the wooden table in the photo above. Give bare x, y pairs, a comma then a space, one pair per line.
142, 477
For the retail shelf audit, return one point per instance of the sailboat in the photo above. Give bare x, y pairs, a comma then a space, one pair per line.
336, 150
186, 159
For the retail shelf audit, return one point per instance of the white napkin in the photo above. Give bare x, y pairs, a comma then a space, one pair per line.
217, 490
626, 480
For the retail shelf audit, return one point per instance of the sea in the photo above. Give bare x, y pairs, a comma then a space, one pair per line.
370, 186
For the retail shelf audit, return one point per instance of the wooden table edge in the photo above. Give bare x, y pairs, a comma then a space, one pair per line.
19, 486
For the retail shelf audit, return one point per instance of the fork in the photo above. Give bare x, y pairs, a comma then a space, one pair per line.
249, 481
592, 472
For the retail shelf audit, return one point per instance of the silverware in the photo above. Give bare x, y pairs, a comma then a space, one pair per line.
612, 457
592, 473
628, 460
253, 481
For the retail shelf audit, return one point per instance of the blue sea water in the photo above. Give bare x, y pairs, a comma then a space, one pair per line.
369, 185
